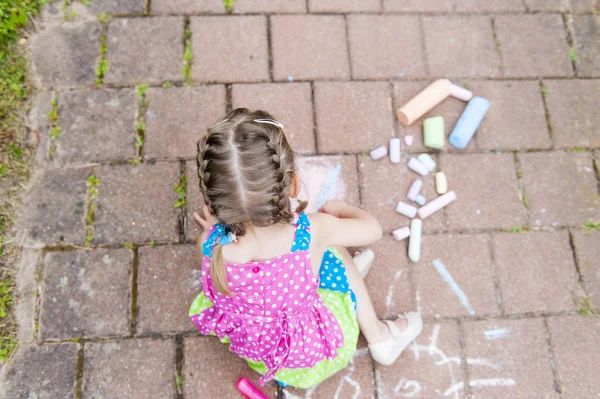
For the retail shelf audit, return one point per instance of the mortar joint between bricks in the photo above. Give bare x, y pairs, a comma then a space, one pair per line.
550, 350
228, 98
54, 123
134, 293
188, 55
498, 45
543, 92
181, 204
92, 184
463, 358
270, 47
179, 362
570, 39
79, 371
102, 66
495, 276
140, 122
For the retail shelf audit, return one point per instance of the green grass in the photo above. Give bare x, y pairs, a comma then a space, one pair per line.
141, 90
228, 5
573, 54
166, 85
514, 229
585, 309
180, 189
544, 90
152, 244
592, 226
577, 149
102, 63
92, 192
129, 245
6, 297
188, 59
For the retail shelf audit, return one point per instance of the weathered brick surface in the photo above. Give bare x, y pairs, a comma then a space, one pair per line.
237, 45
483, 176
544, 53
194, 201
464, 256
177, 117
584, 5
66, 55
547, 5
38, 122
344, 5
143, 368
468, 51
535, 270
490, 5
187, 6
587, 249
299, 51
289, 103
118, 6
144, 50
417, 5
357, 111
210, 368
86, 293
54, 209
87, 134
275, 6
398, 51
586, 29
167, 284
516, 118
561, 188
573, 112
574, 343
41, 372
136, 204
512, 351
430, 368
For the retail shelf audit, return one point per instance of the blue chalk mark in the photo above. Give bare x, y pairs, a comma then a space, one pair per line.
328, 188
448, 278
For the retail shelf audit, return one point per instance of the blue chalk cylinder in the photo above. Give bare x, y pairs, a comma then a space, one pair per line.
469, 122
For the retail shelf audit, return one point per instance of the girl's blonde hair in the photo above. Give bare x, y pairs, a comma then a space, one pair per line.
246, 170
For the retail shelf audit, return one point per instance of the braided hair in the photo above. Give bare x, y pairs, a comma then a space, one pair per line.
246, 168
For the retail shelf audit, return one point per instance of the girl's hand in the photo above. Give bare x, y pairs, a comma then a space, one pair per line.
207, 220
334, 208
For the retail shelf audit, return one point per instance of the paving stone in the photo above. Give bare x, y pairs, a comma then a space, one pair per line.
54, 209
26, 291
46, 371
146, 50
483, 176
66, 55
87, 135
585, 5
132, 368
355, 381
310, 57
544, 52
535, 270
398, 51
494, 5
358, 111
418, 5
118, 6
428, 369
207, 361
464, 256
246, 56
547, 5
270, 6
586, 30
136, 204
187, 6
86, 294
383, 184
167, 284
561, 188
191, 109
468, 51
290, 103
516, 118
194, 201
38, 122
388, 280
344, 5
574, 344
514, 354
573, 114
587, 249
450, 109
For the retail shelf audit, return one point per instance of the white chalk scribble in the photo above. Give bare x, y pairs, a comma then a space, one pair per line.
327, 191
497, 333
453, 285
390, 295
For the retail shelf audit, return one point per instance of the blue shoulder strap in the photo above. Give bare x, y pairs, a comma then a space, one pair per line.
302, 238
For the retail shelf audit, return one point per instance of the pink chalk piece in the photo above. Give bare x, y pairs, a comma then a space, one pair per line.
414, 190
248, 390
405, 209
437, 204
409, 140
395, 150
460, 93
417, 166
401, 234
378, 153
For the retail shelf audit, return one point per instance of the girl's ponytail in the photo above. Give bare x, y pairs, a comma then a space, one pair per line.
217, 268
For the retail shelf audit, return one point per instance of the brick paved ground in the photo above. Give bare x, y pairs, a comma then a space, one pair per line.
103, 298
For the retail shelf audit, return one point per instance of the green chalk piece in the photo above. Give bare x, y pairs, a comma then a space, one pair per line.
433, 132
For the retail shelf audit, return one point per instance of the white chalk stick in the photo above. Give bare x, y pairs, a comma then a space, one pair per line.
407, 210
378, 153
436, 204
414, 243
426, 160
420, 200
364, 261
408, 140
460, 93
418, 167
414, 190
395, 150
441, 183
401, 234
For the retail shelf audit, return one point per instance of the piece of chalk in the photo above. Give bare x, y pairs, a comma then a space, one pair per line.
414, 190
407, 210
433, 132
468, 122
415, 165
420, 200
437, 204
378, 153
441, 183
426, 160
248, 390
395, 150
401, 234
408, 140
414, 243
418, 106
460, 93
364, 261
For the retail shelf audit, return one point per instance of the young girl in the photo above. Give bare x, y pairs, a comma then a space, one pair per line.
279, 285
